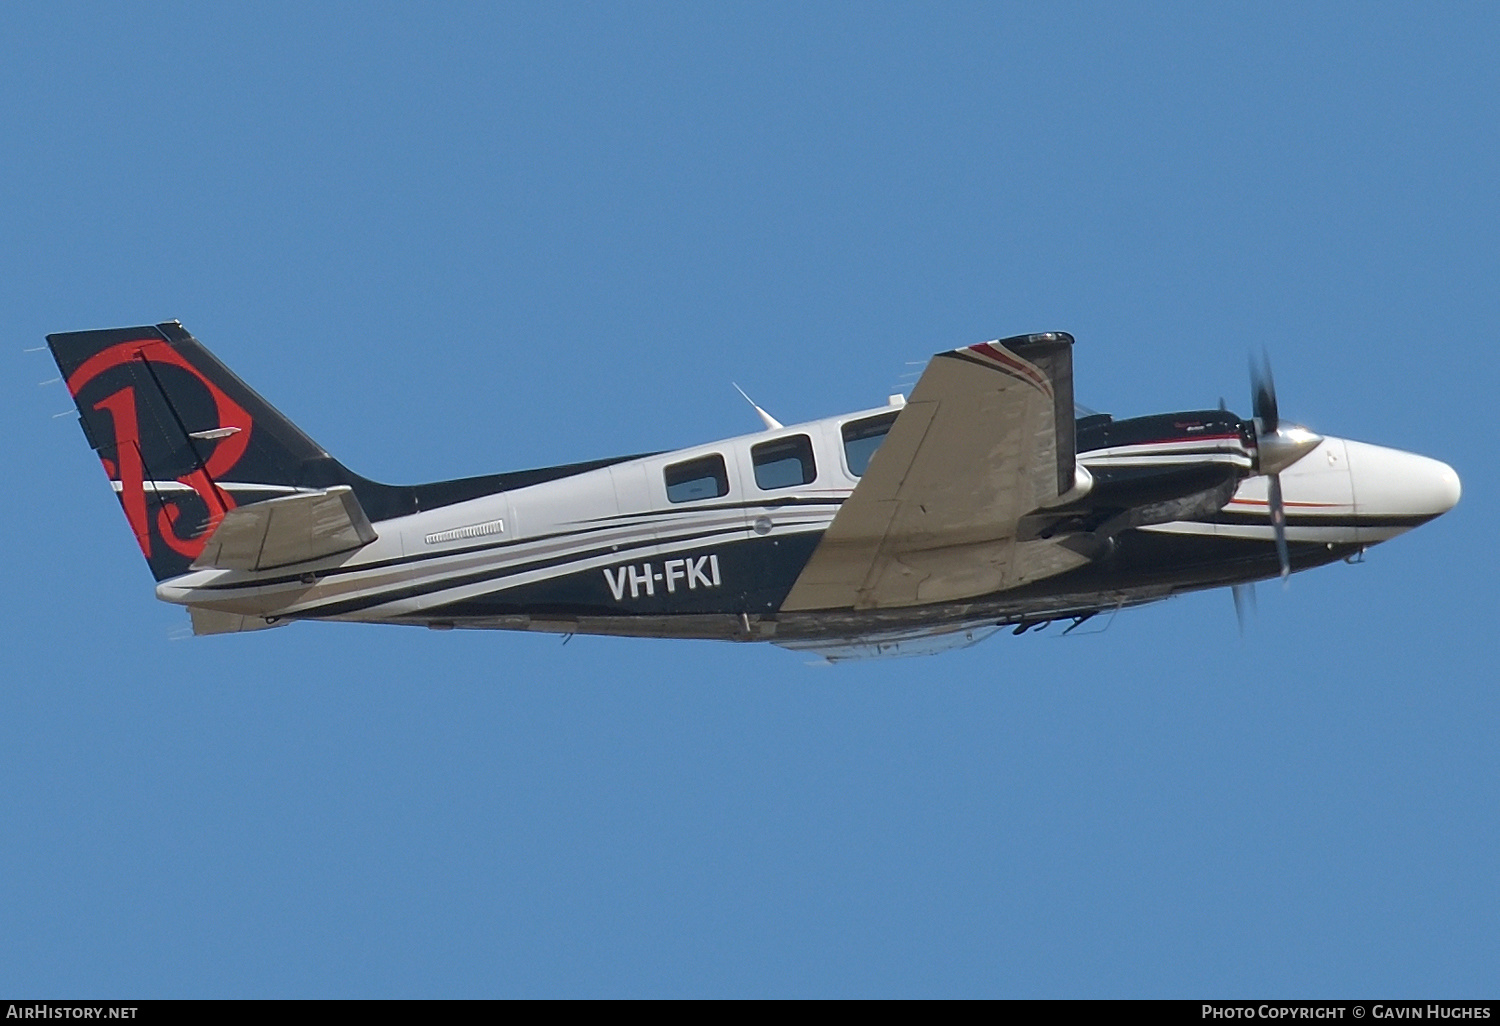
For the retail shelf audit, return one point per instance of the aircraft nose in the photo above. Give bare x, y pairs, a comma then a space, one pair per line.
1400, 486
1447, 488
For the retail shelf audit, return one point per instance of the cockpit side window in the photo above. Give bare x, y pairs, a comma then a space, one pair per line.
863, 437
703, 478
784, 463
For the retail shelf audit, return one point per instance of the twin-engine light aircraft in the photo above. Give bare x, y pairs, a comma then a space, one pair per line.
980, 502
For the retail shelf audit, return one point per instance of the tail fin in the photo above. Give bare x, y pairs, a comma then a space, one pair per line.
181, 437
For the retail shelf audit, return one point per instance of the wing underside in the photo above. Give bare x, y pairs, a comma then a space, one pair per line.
985, 438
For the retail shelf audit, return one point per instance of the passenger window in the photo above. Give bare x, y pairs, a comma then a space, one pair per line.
784, 463
862, 438
703, 478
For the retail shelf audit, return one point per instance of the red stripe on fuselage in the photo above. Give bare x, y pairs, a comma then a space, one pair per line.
1307, 505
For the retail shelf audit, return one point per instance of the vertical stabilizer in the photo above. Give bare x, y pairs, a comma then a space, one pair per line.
182, 438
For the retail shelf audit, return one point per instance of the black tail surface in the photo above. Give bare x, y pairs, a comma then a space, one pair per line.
181, 437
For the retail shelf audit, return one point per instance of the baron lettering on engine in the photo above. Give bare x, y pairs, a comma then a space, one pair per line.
983, 500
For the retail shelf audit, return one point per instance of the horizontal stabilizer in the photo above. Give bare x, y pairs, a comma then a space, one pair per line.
291, 529
211, 621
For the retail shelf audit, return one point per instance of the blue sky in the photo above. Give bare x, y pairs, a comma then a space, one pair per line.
473, 238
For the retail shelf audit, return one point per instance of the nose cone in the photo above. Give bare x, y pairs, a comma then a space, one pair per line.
1447, 489
1395, 490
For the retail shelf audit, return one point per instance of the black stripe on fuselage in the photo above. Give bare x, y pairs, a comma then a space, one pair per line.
754, 576
1146, 566
799, 546
1139, 559
758, 573
493, 573
1263, 519
420, 557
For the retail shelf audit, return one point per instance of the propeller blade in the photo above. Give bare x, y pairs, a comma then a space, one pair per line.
1276, 448
1263, 392
1278, 522
1244, 599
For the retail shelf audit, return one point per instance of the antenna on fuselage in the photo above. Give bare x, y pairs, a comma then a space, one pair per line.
772, 424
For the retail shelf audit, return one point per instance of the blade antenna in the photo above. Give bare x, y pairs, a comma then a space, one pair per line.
771, 423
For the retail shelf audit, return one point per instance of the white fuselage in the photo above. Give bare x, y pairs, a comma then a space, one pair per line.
665, 564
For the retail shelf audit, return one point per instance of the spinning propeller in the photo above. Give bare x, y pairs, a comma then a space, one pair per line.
1277, 447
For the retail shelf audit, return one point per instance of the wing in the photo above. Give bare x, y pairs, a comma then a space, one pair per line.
986, 438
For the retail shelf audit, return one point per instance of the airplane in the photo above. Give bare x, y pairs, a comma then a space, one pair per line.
981, 501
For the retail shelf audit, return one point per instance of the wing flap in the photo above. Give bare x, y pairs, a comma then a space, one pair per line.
986, 438
291, 529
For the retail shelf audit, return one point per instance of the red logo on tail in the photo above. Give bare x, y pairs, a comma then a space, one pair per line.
129, 468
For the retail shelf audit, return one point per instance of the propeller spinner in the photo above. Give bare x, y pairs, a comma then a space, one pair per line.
1276, 448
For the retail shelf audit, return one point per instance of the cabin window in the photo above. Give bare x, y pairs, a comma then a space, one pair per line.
784, 463
703, 478
862, 438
